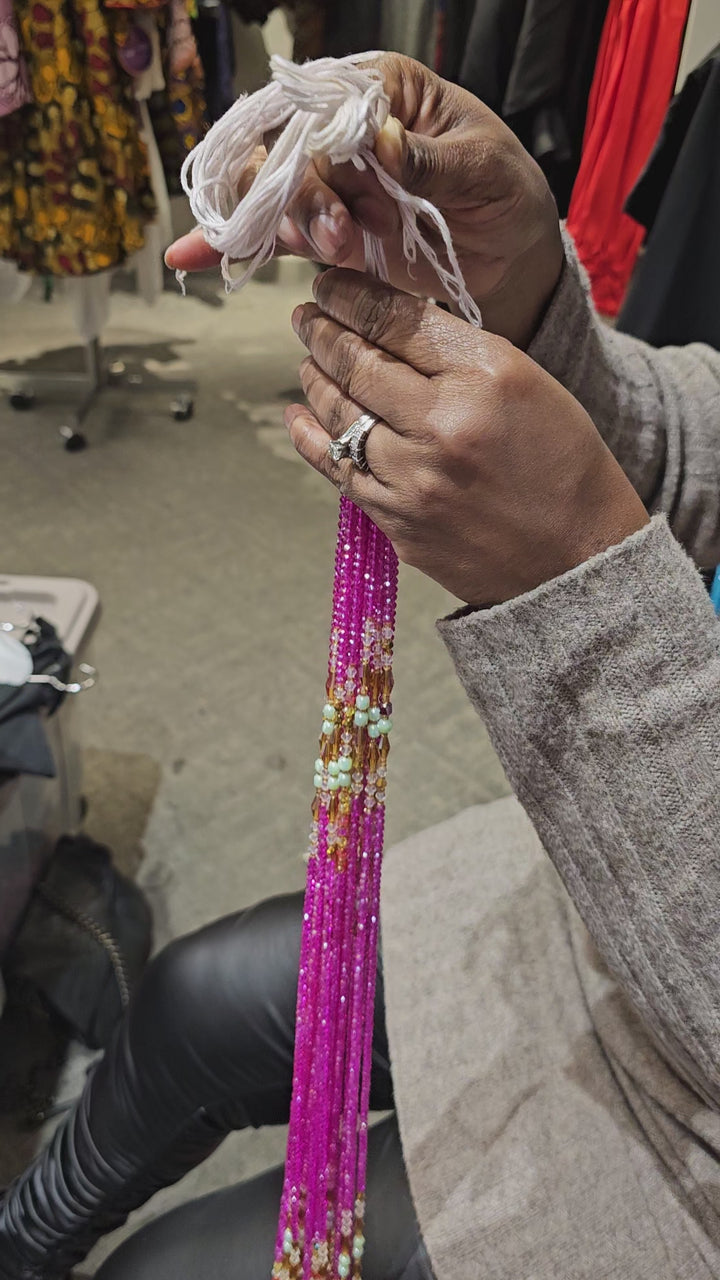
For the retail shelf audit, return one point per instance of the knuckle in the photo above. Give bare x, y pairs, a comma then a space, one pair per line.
514, 377
372, 314
344, 358
308, 373
344, 480
426, 488
308, 325
335, 415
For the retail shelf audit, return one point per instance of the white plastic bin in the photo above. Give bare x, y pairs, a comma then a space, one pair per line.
34, 811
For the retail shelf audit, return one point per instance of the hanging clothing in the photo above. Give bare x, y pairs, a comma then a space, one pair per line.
532, 62
180, 38
178, 113
633, 82
452, 28
352, 28
673, 299
307, 23
14, 82
409, 28
217, 55
74, 182
546, 96
490, 47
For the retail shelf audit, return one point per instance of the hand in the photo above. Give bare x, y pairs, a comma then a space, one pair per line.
484, 472
441, 143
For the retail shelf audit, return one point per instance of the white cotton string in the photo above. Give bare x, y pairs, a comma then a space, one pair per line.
333, 107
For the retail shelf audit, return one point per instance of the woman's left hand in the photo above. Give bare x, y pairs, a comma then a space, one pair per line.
484, 472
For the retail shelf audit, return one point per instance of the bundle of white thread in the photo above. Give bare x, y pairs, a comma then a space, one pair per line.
333, 107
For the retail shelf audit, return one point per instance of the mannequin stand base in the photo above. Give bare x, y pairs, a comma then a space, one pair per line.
26, 388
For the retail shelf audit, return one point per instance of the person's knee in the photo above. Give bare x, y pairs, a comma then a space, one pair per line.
222, 976
179, 993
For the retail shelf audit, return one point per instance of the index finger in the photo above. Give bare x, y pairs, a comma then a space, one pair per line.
411, 329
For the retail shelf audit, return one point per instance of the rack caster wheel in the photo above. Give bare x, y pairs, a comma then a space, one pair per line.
182, 409
73, 441
22, 399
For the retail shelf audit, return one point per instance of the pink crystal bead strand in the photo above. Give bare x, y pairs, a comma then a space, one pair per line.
320, 1233
299, 1188
375, 791
292, 1225
377, 663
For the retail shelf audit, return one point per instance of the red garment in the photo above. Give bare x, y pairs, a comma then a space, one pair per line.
633, 83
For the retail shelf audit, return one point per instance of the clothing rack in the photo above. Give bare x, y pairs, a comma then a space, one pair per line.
100, 374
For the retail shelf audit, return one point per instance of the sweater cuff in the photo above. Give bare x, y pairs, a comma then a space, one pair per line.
568, 319
534, 665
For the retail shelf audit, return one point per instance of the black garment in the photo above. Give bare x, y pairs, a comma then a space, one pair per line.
673, 298
206, 1047
532, 61
230, 1235
490, 49
84, 940
351, 27
211, 27
454, 19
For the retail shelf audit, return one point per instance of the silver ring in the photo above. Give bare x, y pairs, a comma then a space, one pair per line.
351, 444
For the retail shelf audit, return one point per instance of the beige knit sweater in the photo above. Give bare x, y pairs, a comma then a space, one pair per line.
557, 1066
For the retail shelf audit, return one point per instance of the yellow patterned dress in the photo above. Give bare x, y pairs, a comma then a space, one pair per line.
74, 181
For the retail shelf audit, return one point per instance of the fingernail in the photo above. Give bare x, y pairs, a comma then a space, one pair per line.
390, 143
297, 317
291, 413
287, 231
327, 235
176, 249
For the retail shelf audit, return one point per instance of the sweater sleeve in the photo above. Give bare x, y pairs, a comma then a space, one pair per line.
601, 692
657, 410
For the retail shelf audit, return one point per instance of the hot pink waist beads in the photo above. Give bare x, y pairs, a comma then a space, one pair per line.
334, 108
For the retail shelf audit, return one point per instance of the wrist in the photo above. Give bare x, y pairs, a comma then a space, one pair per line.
517, 309
612, 512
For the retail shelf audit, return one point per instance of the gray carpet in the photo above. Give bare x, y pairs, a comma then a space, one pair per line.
211, 544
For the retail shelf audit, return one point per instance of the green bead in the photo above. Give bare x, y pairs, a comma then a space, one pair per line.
328, 727
329, 712
374, 731
317, 780
385, 725
319, 766
344, 1265
358, 1247
345, 763
361, 719
374, 714
344, 779
333, 768
362, 702
333, 783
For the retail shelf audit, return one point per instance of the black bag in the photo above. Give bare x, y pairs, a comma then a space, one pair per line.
23, 745
85, 939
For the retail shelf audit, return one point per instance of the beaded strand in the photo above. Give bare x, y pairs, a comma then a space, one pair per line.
321, 1232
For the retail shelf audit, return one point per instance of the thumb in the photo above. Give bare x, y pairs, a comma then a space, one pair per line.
413, 160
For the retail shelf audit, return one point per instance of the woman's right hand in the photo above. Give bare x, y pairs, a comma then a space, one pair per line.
443, 144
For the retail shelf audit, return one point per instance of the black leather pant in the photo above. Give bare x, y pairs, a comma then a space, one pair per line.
206, 1047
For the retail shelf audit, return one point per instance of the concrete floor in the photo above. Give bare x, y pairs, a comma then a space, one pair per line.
211, 545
